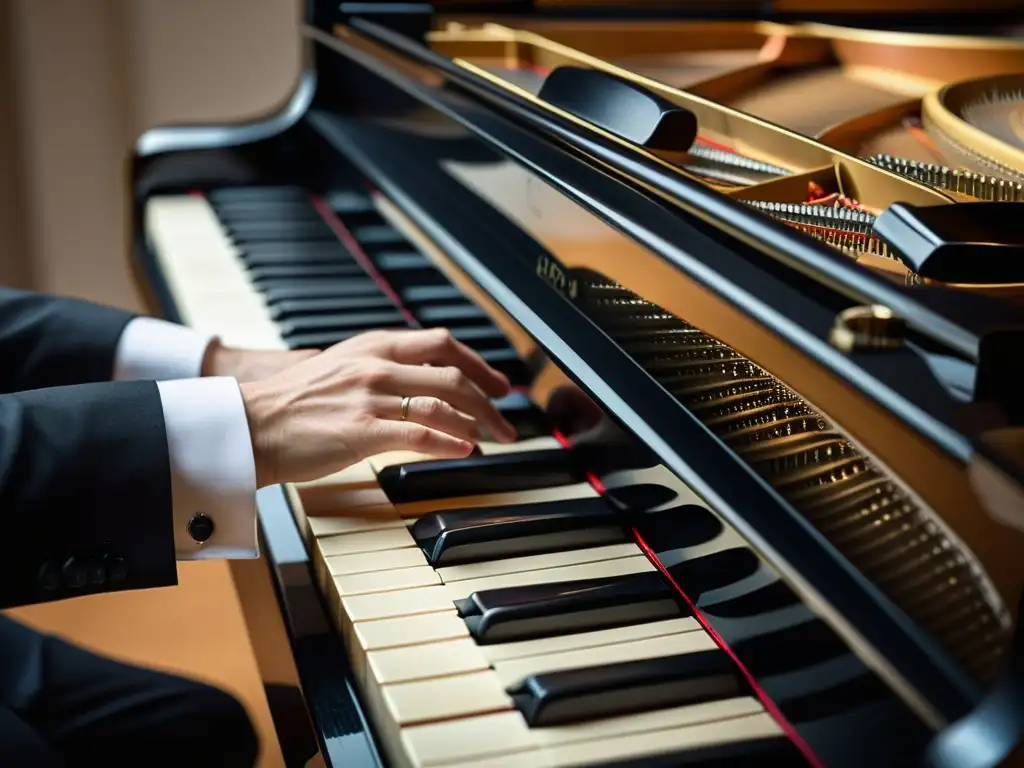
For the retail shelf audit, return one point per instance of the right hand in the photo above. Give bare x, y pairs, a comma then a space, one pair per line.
344, 404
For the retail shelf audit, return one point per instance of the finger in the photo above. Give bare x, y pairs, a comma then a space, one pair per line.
439, 348
408, 435
432, 413
452, 386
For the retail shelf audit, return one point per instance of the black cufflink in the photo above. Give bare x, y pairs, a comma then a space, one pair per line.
200, 528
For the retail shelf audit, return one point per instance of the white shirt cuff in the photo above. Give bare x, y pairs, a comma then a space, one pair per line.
157, 350
213, 472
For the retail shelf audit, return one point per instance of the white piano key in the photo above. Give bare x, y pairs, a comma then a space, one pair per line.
514, 671
365, 541
204, 274
454, 573
444, 698
385, 581
622, 566
371, 562
652, 743
505, 738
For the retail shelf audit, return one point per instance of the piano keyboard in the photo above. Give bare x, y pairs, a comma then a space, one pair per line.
495, 610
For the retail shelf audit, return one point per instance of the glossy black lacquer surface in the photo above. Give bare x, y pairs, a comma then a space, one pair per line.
840, 708
464, 226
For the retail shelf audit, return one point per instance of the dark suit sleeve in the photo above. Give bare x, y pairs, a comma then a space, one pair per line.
85, 492
50, 342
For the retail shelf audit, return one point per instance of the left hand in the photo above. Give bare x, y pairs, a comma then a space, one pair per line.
250, 364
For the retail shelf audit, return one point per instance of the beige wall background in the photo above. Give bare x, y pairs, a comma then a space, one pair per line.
80, 80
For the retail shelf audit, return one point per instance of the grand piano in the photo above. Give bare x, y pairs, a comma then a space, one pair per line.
756, 274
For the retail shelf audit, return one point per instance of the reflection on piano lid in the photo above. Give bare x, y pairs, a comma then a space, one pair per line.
764, 505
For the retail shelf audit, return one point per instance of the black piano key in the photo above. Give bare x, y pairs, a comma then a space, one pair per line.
342, 321
353, 287
778, 751
292, 271
573, 695
283, 310
481, 337
280, 231
276, 254
492, 533
449, 314
397, 261
377, 235
290, 210
349, 203
319, 339
719, 569
430, 294
789, 649
547, 610
508, 362
256, 194
476, 475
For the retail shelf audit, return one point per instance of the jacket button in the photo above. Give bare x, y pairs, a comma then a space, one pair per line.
115, 568
49, 576
200, 527
95, 572
74, 573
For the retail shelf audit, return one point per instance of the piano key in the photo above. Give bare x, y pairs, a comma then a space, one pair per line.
378, 235
560, 643
481, 337
557, 698
374, 582
320, 339
533, 496
478, 475
749, 740
431, 294
558, 558
269, 194
539, 443
247, 210
521, 613
425, 659
515, 671
262, 274
406, 631
449, 314
391, 605
366, 541
243, 232
508, 362
332, 526
353, 287
278, 254
619, 566
350, 203
342, 321
396, 261
470, 740
480, 691
314, 307
204, 275
370, 562
461, 535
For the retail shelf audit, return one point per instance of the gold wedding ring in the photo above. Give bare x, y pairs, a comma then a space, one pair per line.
405, 408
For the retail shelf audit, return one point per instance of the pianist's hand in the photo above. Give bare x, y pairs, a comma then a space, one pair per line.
344, 404
250, 364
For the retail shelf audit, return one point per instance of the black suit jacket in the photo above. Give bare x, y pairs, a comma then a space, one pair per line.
85, 485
